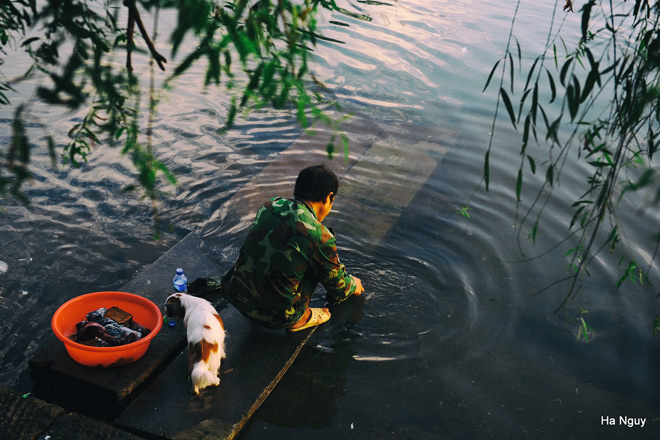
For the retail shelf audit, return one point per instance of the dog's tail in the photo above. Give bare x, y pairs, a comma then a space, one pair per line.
201, 376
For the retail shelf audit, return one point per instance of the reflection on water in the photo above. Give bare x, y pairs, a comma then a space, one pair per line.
455, 335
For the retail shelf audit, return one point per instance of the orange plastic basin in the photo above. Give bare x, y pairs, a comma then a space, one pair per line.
144, 312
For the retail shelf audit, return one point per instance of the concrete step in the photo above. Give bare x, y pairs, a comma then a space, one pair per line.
152, 396
256, 360
380, 186
27, 418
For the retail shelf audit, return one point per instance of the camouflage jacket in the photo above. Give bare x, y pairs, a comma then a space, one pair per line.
286, 253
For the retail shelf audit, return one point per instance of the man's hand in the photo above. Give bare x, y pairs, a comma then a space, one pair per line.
358, 286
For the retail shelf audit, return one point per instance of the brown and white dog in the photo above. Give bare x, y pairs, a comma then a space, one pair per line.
206, 337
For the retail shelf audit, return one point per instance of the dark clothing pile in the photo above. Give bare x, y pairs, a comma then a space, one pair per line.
100, 330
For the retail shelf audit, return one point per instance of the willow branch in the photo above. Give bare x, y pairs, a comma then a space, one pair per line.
129, 40
134, 17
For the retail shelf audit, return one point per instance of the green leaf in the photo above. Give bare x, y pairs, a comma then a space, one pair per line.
519, 184
573, 98
344, 139
267, 86
586, 12
490, 76
525, 137
592, 61
168, 174
653, 146
255, 76
513, 71
576, 216
550, 175
553, 130
73, 130
613, 237
564, 71
599, 164
522, 102
584, 330
581, 202
186, 63
589, 83
487, 169
553, 88
213, 72
507, 104
231, 114
330, 148
463, 210
51, 150
532, 164
535, 102
611, 67
646, 179
531, 71
28, 41
533, 232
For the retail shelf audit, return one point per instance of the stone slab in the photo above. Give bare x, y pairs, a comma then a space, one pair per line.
158, 396
98, 392
75, 426
256, 360
25, 417
380, 187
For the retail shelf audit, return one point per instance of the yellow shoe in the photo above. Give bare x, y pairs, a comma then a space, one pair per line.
319, 316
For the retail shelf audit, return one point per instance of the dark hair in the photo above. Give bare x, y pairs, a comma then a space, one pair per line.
315, 183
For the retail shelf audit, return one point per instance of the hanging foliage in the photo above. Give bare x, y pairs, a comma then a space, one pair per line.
615, 68
256, 51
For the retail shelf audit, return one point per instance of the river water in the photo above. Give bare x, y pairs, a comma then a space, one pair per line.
455, 336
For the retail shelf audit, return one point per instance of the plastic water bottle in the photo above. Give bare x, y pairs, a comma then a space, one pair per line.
180, 281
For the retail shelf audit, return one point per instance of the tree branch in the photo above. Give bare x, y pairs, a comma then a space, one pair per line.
129, 40
134, 17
